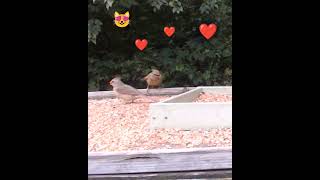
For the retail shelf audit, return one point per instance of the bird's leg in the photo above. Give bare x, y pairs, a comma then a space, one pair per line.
148, 89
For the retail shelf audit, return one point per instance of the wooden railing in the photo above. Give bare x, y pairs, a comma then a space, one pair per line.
152, 92
208, 163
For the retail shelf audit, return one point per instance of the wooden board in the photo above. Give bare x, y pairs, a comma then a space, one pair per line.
181, 112
165, 161
188, 96
190, 116
208, 175
152, 92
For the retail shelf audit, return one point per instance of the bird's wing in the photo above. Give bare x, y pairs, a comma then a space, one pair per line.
147, 76
156, 78
126, 89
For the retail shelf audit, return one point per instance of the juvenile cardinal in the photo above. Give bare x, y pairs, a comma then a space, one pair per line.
154, 79
124, 91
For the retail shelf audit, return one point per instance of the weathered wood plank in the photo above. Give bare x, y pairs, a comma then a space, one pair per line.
152, 92
160, 162
157, 151
191, 95
185, 97
208, 175
190, 115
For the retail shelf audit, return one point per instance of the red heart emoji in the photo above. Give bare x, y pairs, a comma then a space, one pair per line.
208, 31
169, 31
141, 44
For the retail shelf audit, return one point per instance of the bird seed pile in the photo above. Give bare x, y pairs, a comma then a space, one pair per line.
207, 97
116, 126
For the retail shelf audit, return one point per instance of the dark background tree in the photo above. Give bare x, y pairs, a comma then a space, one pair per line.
186, 59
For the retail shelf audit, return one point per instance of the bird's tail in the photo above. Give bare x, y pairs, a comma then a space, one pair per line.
145, 78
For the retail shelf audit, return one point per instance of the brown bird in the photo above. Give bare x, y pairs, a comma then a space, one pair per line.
124, 91
154, 79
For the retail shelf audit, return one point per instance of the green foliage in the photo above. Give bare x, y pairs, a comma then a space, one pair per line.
186, 59
108, 3
94, 28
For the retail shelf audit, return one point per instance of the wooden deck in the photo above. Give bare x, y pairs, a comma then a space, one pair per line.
162, 164
152, 92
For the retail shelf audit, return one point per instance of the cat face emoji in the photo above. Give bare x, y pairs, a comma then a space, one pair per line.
121, 20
